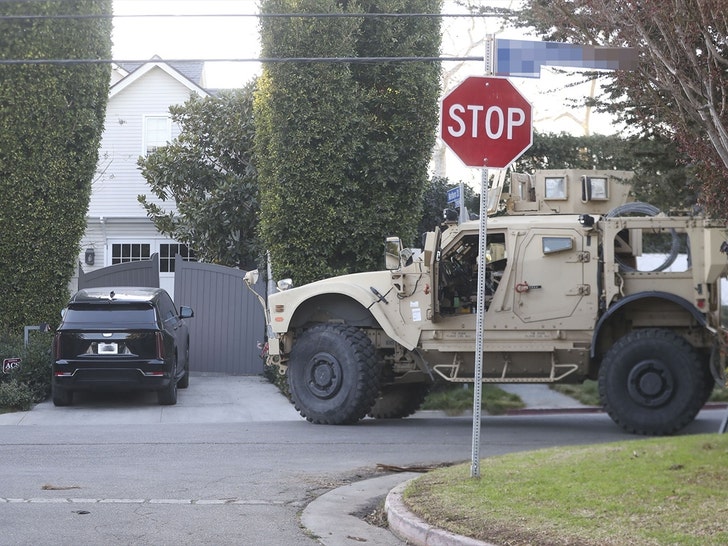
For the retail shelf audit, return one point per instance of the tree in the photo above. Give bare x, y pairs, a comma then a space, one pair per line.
435, 202
208, 171
401, 105
679, 87
343, 147
661, 178
50, 126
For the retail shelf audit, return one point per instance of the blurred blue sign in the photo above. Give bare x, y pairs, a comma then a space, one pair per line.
524, 58
453, 195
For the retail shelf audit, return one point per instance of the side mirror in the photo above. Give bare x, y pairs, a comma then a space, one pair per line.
392, 250
251, 277
186, 312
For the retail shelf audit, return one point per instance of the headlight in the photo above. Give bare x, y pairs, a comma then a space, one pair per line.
284, 284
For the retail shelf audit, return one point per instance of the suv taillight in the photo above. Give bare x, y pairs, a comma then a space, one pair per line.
160, 346
57, 347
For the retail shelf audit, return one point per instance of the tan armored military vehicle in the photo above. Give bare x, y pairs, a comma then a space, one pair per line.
579, 284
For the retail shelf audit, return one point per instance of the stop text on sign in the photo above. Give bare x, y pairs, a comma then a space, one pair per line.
486, 122
495, 122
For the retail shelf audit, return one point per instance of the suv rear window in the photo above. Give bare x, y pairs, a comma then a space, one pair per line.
110, 314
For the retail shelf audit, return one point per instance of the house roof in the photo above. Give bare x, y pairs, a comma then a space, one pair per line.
188, 73
192, 70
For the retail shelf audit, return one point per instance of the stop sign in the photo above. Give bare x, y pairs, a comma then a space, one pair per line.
486, 122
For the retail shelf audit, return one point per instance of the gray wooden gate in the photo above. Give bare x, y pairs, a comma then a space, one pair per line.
228, 324
139, 273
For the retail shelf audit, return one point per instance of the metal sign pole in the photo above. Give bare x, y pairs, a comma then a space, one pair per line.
479, 327
480, 309
463, 216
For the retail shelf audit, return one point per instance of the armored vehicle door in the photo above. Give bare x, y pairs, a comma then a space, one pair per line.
431, 259
457, 274
555, 275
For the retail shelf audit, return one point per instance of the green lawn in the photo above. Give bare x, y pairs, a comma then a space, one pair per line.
640, 492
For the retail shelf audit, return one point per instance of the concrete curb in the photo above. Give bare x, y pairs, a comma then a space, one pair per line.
413, 530
330, 517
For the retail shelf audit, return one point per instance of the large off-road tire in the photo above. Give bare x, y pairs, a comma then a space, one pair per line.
397, 401
652, 382
333, 376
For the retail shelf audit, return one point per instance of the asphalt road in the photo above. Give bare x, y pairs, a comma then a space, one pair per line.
70, 479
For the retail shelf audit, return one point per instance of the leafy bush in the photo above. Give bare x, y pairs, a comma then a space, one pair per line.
456, 399
334, 140
50, 128
11, 346
15, 396
30, 382
272, 374
586, 393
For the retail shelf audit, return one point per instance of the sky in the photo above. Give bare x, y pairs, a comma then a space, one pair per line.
219, 35
176, 37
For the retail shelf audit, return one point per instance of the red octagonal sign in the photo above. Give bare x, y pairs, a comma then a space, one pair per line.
486, 122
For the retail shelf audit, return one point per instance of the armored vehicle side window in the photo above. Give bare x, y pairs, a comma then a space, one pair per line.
648, 250
458, 283
551, 245
555, 188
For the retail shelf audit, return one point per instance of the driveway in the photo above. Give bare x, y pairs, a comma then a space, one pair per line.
209, 399
214, 398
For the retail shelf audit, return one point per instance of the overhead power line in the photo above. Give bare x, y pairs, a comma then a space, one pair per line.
353, 60
255, 15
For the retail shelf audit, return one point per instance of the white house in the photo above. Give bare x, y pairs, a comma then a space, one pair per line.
137, 121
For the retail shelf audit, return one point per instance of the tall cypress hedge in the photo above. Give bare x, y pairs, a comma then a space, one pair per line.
342, 148
51, 120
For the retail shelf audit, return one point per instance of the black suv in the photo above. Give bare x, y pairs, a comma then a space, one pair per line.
121, 338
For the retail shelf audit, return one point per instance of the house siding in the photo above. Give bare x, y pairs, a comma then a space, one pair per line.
115, 214
119, 180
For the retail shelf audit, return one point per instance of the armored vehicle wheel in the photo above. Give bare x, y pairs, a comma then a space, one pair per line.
397, 401
333, 374
652, 382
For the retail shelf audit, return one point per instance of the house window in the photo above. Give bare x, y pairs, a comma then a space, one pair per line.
129, 252
157, 133
167, 252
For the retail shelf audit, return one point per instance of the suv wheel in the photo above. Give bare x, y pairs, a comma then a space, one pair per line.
168, 395
184, 381
62, 397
